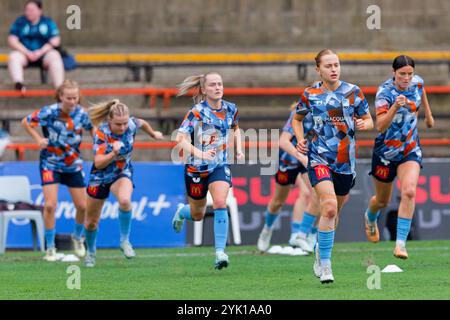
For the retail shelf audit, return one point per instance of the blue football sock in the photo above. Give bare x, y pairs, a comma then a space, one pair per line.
50, 238
185, 212
326, 241
372, 216
125, 225
307, 223
295, 227
91, 240
78, 231
270, 218
220, 228
314, 230
403, 227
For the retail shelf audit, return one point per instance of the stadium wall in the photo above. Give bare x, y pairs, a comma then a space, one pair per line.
298, 24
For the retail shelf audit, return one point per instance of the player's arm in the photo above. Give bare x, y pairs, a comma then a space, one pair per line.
102, 160
384, 119
364, 122
286, 145
183, 139
183, 142
147, 128
40, 140
297, 126
238, 142
429, 120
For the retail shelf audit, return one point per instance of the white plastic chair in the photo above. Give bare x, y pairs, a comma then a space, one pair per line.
234, 217
14, 189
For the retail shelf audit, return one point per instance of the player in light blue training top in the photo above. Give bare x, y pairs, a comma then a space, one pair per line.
204, 136
60, 160
397, 151
338, 109
112, 170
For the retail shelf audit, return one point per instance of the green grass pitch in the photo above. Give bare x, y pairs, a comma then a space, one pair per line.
188, 273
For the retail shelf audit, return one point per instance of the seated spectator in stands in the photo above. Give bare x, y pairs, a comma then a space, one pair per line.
33, 38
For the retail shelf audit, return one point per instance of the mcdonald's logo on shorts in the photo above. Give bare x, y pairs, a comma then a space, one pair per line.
47, 176
382, 172
196, 190
283, 177
322, 172
92, 190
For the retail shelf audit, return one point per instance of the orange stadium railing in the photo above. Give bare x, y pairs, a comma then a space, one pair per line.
21, 148
168, 93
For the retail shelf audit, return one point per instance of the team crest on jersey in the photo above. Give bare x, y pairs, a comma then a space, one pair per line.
345, 104
196, 180
318, 103
397, 118
318, 120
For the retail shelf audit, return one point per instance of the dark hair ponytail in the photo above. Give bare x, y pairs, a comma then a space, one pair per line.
402, 61
322, 53
38, 3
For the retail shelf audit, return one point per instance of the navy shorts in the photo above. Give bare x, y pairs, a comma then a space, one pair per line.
101, 191
285, 177
386, 171
70, 179
342, 182
197, 183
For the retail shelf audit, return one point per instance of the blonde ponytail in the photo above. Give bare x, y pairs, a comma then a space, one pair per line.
293, 105
106, 111
196, 83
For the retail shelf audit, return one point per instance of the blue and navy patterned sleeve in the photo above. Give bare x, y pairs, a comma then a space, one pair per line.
86, 122
420, 85
383, 100
39, 117
100, 145
361, 104
235, 118
303, 107
288, 125
190, 121
134, 124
